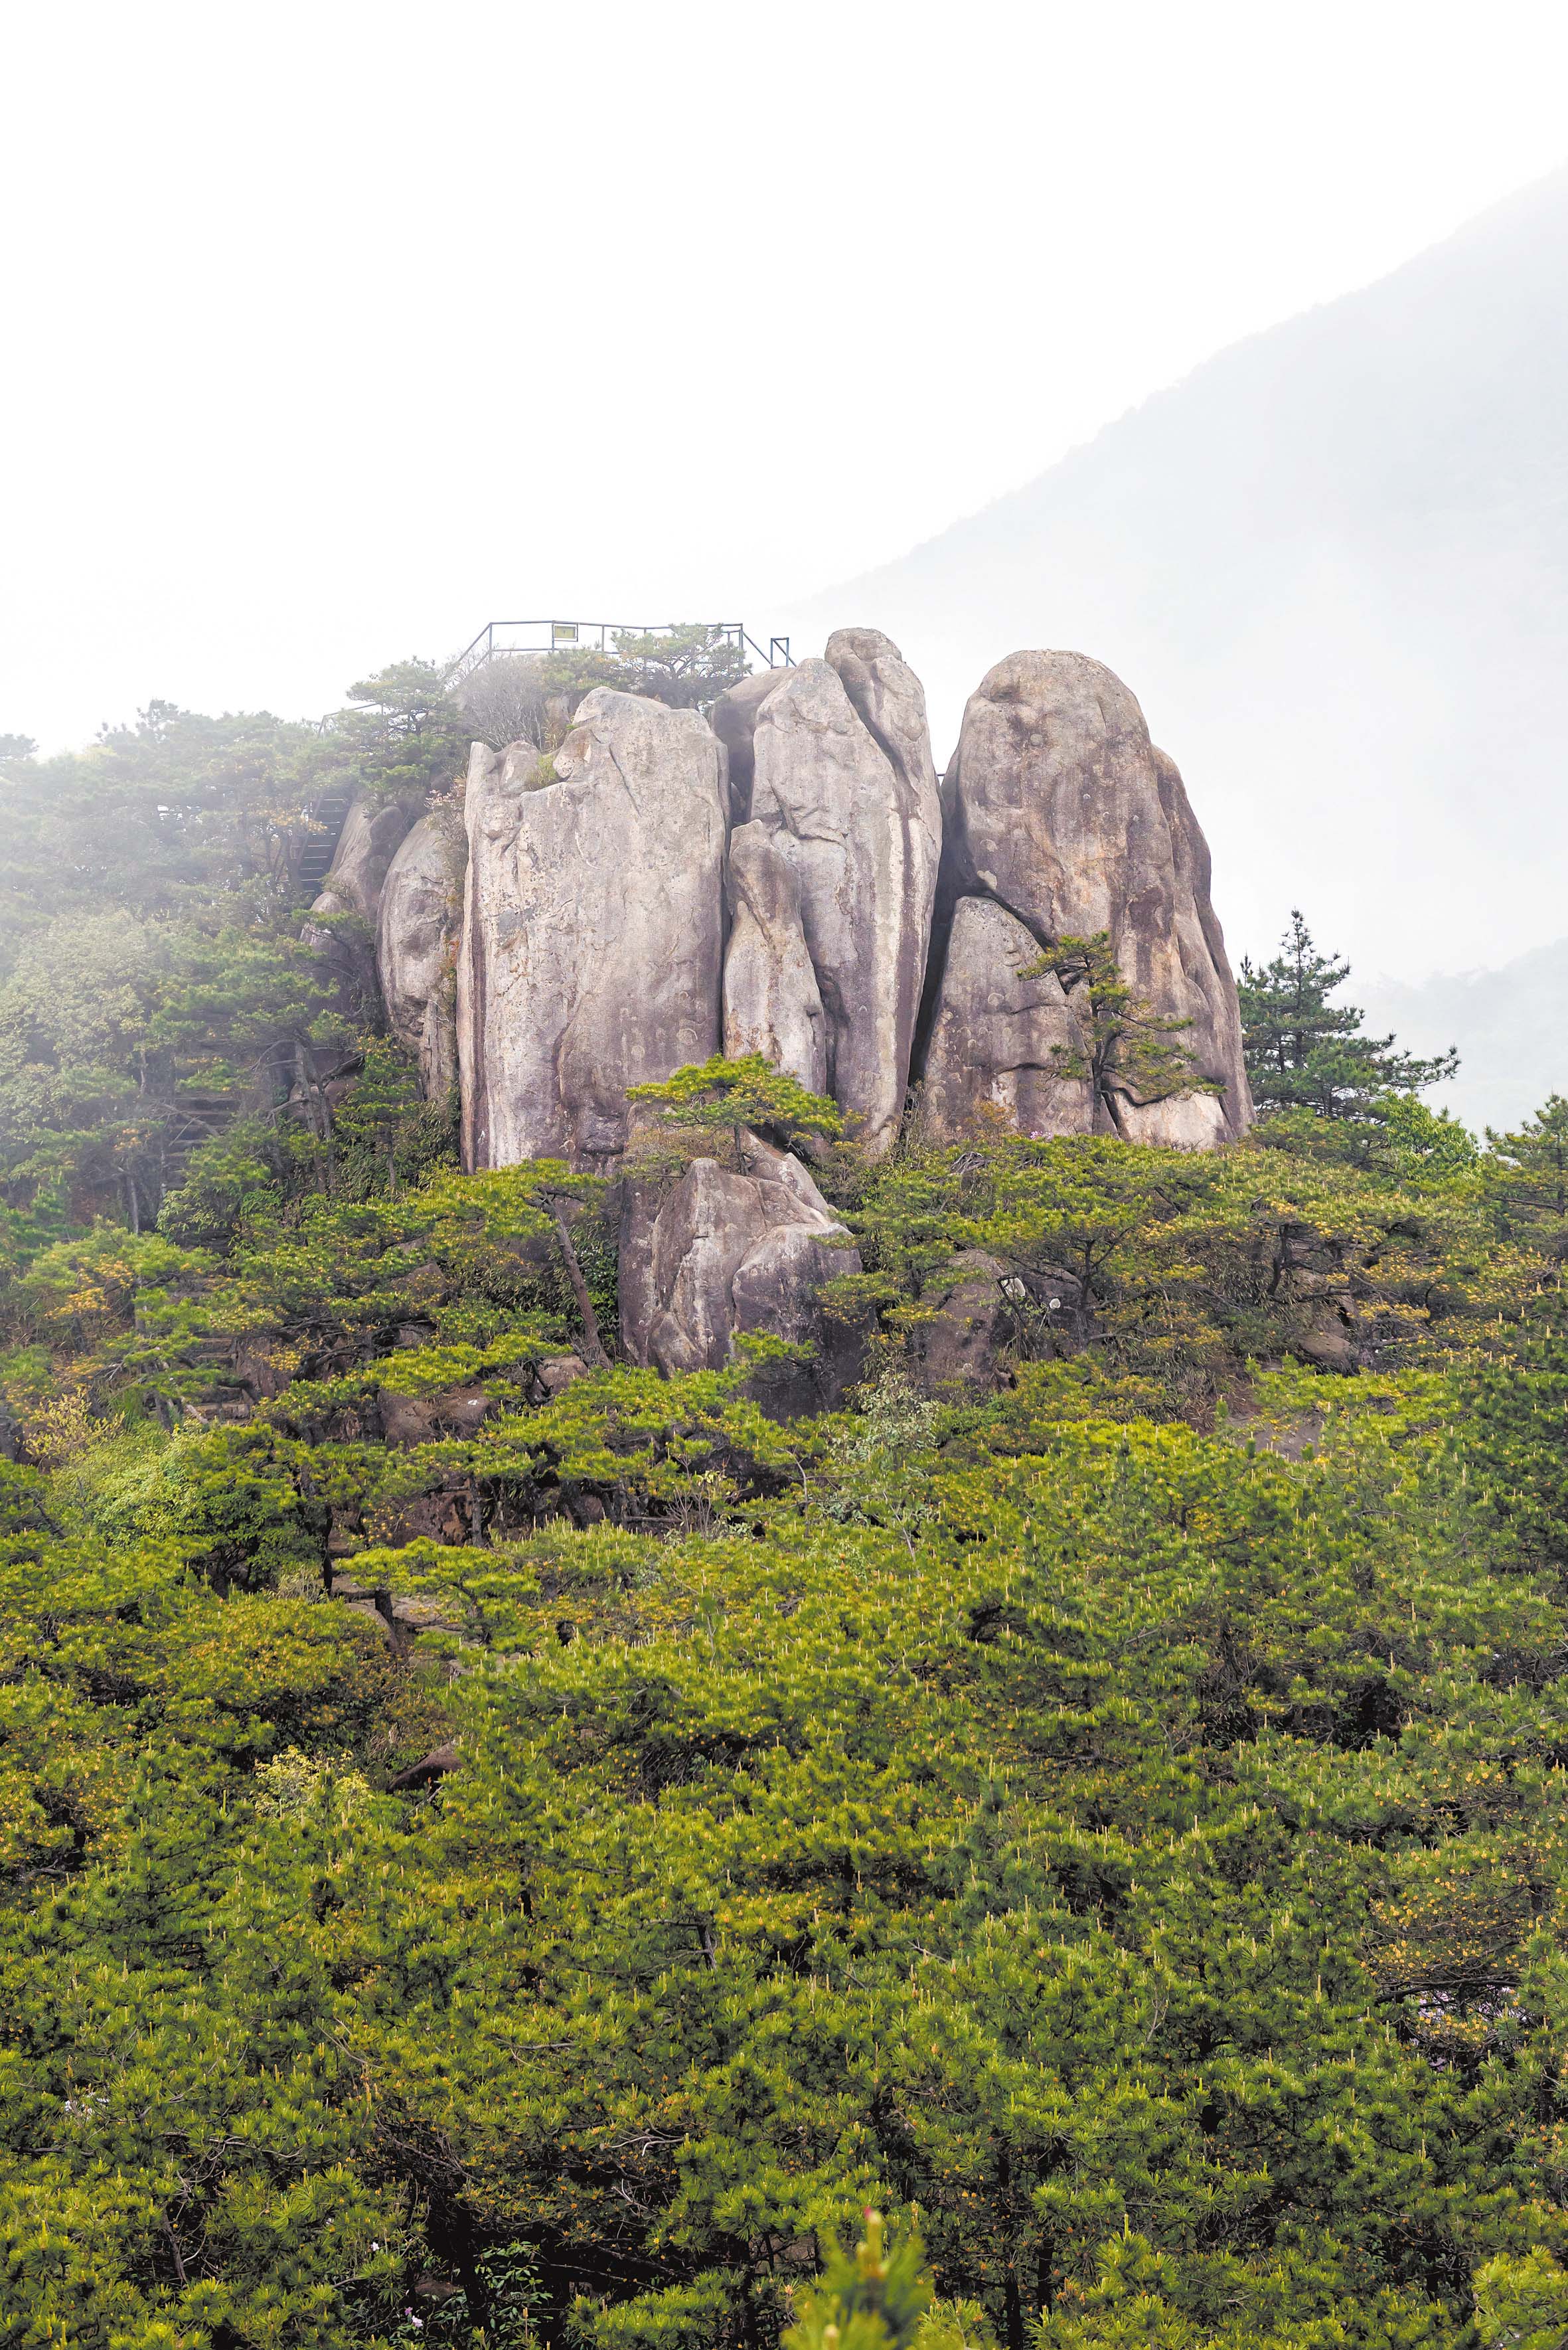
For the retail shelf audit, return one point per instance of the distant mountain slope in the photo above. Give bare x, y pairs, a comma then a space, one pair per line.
1334, 566
1510, 1027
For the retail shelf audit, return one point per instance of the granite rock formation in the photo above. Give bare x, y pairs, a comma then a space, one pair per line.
421, 913
772, 1001
1058, 809
771, 881
844, 795
971, 1322
728, 1253
734, 722
997, 1040
592, 928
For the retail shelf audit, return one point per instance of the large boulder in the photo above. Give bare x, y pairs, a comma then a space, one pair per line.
592, 929
1058, 806
854, 813
421, 915
998, 1041
727, 1254
976, 1313
421, 1419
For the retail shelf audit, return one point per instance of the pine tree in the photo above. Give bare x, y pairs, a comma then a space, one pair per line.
1129, 1051
1529, 1170
872, 2299
718, 1096
1510, 1434
383, 1098
1305, 1052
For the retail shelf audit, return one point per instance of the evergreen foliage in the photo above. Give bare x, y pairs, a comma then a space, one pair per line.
687, 667
748, 1091
1528, 1171
1305, 1052
1129, 1050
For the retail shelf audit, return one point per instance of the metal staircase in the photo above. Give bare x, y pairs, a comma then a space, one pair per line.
321, 848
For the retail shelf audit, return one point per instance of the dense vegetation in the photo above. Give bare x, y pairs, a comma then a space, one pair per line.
1120, 1815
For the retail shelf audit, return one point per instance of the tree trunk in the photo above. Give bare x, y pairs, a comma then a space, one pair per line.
593, 1345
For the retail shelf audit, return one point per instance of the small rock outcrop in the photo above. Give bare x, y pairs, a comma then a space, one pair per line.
373, 832
592, 928
844, 795
727, 1254
420, 1420
1059, 809
420, 912
998, 1041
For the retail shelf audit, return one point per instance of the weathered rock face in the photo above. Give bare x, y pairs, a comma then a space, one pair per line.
734, 721
1058, 806
995, 1036
728, 1253
891, 701
421, 911
772, 1001
592, 928
420, 1420
854, 814
372, 831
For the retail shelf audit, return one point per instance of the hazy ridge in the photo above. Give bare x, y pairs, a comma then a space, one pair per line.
1332, 562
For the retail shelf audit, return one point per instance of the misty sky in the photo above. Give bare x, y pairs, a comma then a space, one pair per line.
333, 331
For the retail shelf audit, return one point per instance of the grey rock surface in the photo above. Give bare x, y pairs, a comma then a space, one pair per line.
421, 915
733, 719
420, 1420
892, 703
373, 832
994, 1036
592, 928
727, 1254
1059, 807
772, 1001
860, 829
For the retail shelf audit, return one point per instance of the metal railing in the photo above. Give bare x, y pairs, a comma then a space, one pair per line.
501, 637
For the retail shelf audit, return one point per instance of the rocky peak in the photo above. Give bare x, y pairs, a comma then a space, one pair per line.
789, 879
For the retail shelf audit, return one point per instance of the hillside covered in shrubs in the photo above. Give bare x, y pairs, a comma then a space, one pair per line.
498, 1845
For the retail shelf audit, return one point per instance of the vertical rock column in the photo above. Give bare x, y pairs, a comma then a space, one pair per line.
593, 922
832, 879
421, 911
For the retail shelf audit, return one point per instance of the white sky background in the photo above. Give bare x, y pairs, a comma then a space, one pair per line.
333, 331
